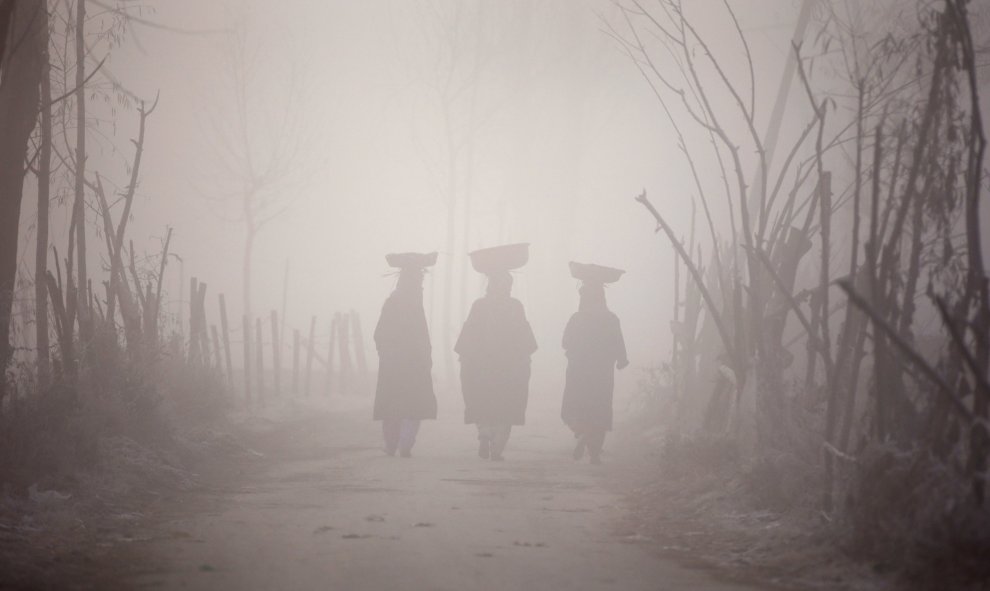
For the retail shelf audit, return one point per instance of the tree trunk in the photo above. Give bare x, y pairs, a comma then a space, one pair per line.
21, 68
260, 350
246, 266
246, 331
79, 206
44, 188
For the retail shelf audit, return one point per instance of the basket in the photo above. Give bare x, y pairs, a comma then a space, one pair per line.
592, 273
500, 258
411, 260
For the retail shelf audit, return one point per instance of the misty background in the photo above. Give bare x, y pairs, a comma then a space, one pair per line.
808, 327
374, 113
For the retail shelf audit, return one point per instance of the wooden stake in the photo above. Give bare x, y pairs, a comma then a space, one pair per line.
247, 359
333, 340
202, 333
261, 361
346, 366
309, 356
285, 302
276, 362
295, 361
225, 327
362, 363
217, 357
193, 335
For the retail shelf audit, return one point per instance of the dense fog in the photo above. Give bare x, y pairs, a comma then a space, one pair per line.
371, 114
666, 284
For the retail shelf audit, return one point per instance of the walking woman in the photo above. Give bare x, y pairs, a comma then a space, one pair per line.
495, 346
404, 395
594, 346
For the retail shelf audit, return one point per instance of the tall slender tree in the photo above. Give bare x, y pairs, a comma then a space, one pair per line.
44, 196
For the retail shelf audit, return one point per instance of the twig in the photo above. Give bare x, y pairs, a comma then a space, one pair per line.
838, 453
74, 90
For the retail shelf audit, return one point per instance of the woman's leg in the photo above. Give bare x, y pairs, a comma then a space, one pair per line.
484, 440
390, 429
595, 439
579, 431
500, 438
407, 436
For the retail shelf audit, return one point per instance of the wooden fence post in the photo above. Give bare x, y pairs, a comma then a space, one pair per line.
276, 359
346, 366
333, 341
309, 356
202, 332
247, 359
194, 340
225, 327
217, 356
358, 339
295, 361
260, 347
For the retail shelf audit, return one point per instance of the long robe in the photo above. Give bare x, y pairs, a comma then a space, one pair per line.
593, 343
405, 386
494, 347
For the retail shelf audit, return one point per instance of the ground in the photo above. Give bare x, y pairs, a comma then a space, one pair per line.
301, 496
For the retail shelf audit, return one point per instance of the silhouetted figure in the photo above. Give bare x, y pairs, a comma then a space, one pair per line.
495, 346
404, 395
594, 346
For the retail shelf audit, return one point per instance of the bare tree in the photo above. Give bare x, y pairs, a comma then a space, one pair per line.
256, 148
467, 40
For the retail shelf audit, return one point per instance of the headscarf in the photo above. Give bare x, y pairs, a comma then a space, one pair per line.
592, 296
499, 284
410, 283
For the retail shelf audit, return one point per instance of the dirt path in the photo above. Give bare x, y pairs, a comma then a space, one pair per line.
324, 508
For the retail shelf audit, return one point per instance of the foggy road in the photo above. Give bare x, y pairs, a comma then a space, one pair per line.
325, 508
